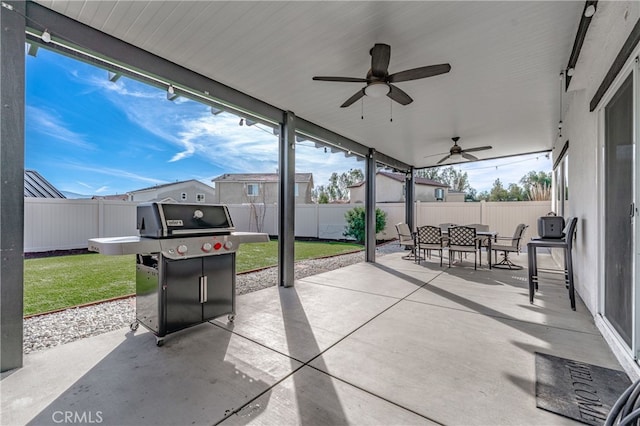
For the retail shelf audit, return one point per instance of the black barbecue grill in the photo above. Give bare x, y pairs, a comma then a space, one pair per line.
185, 264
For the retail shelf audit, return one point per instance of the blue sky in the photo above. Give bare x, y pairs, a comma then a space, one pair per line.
88, 135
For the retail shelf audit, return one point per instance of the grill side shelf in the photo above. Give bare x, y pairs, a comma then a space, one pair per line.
115, 246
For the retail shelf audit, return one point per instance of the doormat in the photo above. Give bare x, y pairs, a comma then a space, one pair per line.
577, 390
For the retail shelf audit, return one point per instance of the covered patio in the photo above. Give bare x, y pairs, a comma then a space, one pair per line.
382, 342
391, 342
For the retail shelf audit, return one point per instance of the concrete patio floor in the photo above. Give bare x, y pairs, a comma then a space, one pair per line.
390, 343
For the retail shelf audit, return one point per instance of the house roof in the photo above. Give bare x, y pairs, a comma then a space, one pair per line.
259, 177
400, 177
37, 186
167, 185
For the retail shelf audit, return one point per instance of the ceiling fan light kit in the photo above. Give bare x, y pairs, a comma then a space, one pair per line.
379, 81
377, 89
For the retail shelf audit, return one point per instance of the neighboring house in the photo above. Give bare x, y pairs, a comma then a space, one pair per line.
390, 188
188, 191
38, 187
240, 188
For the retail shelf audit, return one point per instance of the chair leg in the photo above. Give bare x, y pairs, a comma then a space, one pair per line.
569, 264
506, 263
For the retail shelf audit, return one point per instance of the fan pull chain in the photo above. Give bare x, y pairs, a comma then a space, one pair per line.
390, 111
361, 108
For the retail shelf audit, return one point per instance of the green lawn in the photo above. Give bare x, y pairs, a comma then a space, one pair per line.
59, 282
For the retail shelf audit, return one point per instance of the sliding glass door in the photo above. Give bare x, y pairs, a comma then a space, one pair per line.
619, 211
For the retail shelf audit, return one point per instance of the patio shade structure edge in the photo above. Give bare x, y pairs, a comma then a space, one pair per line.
21, 17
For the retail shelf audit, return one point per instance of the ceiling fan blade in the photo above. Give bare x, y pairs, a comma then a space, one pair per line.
445, 158
480, 148
342, 79
352, 99
468, 156
417, 73
399, 95
380, 56
434, 155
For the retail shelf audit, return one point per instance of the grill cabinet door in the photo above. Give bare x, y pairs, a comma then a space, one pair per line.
183, 308
221, 274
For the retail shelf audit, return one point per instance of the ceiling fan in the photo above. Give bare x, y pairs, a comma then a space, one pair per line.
379, 80
456, 150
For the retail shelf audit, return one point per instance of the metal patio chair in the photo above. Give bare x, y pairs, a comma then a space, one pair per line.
510, 245
406, 238
463, 239
429, 238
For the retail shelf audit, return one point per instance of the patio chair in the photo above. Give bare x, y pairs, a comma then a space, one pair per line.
462, 239
510, 245
566, 244
406, 238
429, 238
479, 227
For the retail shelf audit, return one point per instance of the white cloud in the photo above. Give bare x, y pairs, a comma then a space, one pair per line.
102, 189
194, 132
51, 125
108, 171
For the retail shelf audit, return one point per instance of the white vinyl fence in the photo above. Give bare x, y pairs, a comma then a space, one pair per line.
61, 224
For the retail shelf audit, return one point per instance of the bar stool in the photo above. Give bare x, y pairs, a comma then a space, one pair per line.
565, 243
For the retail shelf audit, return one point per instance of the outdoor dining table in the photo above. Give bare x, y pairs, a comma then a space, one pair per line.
491, 236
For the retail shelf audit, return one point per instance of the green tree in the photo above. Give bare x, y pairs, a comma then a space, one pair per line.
323, 198
498, 193
537, 185
337, 189
356, 223
515, 193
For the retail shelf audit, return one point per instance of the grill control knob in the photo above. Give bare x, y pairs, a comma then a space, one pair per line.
228, 245
218, 246
207, 247
182, 249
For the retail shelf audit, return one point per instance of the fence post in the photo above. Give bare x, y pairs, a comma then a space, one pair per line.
317, 207
483, 211
100, 218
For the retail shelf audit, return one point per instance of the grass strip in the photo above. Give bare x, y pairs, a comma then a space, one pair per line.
64, 281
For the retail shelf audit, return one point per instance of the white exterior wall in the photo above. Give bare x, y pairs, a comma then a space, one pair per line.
581, 128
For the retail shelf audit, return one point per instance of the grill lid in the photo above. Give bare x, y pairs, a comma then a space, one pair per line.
165, 220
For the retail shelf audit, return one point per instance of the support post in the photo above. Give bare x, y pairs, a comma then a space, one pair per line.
370, 207
12, 76
286, 201
409, 199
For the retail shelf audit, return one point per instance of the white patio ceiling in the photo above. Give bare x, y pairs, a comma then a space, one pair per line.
503, 89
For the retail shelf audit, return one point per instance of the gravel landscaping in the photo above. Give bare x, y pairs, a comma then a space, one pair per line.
46, 331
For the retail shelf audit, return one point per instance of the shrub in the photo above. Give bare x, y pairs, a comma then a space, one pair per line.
355, 223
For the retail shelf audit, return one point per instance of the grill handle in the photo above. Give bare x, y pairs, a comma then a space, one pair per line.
203, 290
